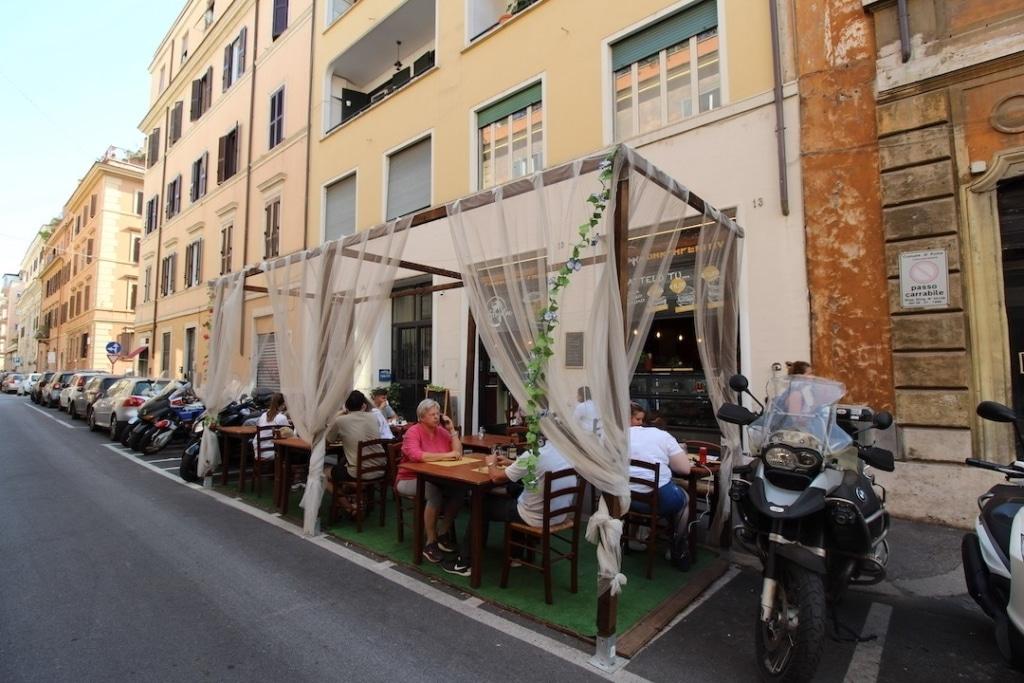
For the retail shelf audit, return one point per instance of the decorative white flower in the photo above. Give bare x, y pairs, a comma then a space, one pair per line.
550, 316
574, 264
605, 165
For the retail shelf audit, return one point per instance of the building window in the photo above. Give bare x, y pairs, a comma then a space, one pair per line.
78, 224
225, 249
77, 307
138, 203
174, 197
85, 299
197, 190
147, 278
280, 19
92, 206
409, 179
165, 354
174, 134
184, 47
208, 15
227, 155
276, 118
335, 8
152, 213
167, 274
511, 137
654, 79
163, 77
194, 263
153, 148
234, 60
133, 292
136, 245
88, 251
202, 95
340, 208
272, 229
84, 345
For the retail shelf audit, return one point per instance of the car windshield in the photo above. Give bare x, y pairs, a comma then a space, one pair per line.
801, 413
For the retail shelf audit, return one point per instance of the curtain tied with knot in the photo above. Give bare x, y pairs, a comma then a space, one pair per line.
327, 303
219, 385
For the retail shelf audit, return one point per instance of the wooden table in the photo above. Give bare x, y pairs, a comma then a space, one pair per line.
242, 436
465, 475
486, 443
292, 450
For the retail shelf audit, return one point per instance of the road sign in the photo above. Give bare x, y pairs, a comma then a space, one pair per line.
113, 348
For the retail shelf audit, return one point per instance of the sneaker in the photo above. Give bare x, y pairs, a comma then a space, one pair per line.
432, 553
456, 566
446, 542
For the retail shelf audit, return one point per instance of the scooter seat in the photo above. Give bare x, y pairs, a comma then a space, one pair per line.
998, 513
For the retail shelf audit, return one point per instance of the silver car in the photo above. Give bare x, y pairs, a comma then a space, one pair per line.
12, 383
75, 387
28, 383
57, 384
82, 403
121, 403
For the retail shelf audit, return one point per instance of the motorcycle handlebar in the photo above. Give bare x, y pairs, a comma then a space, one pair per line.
995, 467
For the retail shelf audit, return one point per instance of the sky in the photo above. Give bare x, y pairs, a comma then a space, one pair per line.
74, 80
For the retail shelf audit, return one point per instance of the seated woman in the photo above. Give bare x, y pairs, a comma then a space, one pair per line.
658, 447
431, 439
356, 424
274, 417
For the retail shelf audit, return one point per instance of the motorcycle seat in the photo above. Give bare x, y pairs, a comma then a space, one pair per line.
998, 512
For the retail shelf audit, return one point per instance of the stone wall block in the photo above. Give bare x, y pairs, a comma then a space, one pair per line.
936, 492
936, 445
915, 147
928, 331
956, 297
933, 407
948, 242
941, 369
913, 112
933, 217
919, 182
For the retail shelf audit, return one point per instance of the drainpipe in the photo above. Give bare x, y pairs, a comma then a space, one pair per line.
159, 243
309, 128
903, 15
780, 121
248, 165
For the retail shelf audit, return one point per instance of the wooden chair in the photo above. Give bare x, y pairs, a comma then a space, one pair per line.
371, 482
548, 532
634, 520
261, 468
403, 504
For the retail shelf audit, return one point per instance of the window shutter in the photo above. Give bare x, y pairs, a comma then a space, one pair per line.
241, 50
196, 108
208, 88
204, 165
340, 213
510, 104
92, 206
409, 179
222, 145
667, 32
268, 376
280, 21
199, 261
226, 76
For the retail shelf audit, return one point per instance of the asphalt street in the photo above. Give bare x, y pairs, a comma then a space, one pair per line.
111, 571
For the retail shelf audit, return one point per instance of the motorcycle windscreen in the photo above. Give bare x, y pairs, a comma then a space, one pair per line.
801, 413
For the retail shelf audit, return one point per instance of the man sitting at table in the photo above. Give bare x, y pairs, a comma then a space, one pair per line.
526, 508
355, 424
658, 447
432, 439
380, 402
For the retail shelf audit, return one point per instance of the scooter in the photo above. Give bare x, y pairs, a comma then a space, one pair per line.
140, 430
806, 507
992, 555
235, 413
176, 423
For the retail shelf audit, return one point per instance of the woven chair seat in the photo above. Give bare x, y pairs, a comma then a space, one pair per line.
539, 531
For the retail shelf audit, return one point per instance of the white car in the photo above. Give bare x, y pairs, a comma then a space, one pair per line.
75, 386
12, 383
120, 403
26, 384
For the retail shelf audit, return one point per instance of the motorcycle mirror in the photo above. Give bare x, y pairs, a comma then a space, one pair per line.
738, 383
879, 458
882, 420
996, 412
734, 414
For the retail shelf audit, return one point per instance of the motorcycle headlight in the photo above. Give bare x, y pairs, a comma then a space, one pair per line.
198, 426
782, 458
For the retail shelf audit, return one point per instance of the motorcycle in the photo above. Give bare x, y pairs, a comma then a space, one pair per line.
235, 413
992, 555
177, 423
143, 427
808, 510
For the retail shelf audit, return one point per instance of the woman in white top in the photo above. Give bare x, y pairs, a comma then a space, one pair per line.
274, 417
660, 448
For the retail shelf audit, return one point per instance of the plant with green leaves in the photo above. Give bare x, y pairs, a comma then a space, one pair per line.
547, 321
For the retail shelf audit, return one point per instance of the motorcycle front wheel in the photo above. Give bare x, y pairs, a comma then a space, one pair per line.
789, 645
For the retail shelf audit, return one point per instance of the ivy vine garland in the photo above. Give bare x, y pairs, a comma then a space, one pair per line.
547, 321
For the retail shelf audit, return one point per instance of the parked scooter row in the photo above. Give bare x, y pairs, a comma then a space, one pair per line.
163, 419
246, 410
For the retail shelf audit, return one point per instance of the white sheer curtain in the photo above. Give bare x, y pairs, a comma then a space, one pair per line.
327, 304
220, 385
716, 278
513, 241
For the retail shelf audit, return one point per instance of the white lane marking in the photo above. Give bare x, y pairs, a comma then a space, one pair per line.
153, 462
170, 469
867, 658
387, 570
46, 414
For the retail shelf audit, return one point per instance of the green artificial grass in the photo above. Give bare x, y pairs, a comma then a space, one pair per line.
572, 612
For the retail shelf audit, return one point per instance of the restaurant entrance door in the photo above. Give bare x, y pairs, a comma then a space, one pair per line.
1011, 231
495, 399
411, 346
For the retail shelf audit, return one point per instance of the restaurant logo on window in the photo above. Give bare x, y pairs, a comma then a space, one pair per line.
497, 310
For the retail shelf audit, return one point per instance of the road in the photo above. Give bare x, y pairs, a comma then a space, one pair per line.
111, 571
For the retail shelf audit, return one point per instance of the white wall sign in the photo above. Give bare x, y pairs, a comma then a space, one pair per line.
924, 279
